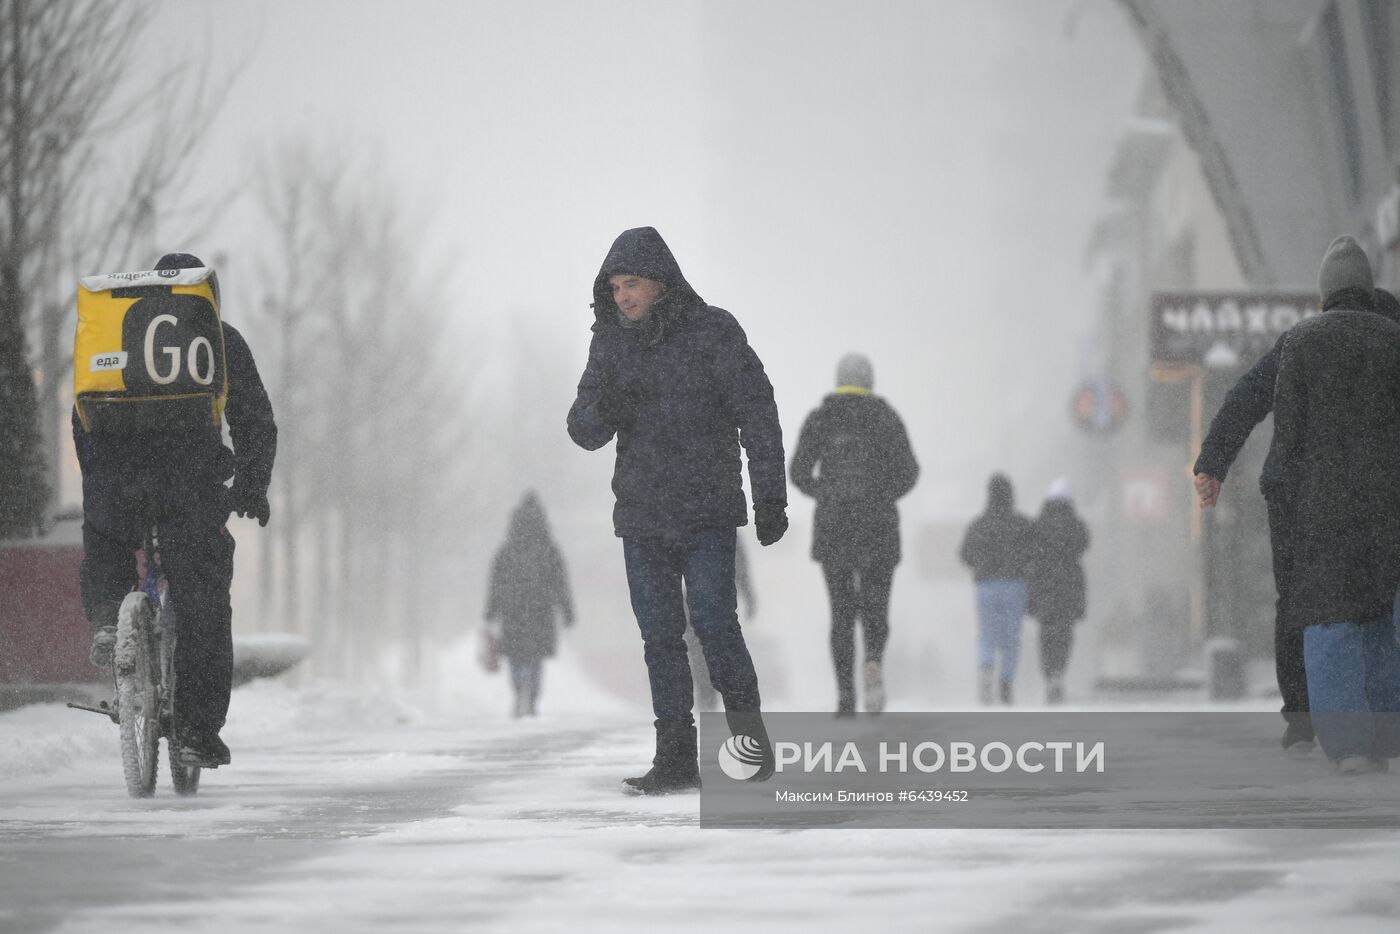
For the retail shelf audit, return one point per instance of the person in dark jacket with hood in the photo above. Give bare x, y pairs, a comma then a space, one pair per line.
1337, 431
1248, 402
1056, 591
180, 474
529, 587
853, 456
676, 382
998, 547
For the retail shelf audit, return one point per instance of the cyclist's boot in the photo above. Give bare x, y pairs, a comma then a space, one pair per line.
203, 749
104, 633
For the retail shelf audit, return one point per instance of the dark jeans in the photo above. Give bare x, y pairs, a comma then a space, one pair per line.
705, 562
1288, 641
863, 593
1056, 639
196, 552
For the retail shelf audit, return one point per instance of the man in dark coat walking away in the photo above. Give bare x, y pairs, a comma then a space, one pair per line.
998, 547
1056, 596
677, 383
854, 458
529, 586
1337, 431
1245, 406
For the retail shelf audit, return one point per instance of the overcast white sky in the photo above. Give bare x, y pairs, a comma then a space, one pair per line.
910, 179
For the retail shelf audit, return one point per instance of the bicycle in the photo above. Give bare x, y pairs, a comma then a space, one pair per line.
143, 671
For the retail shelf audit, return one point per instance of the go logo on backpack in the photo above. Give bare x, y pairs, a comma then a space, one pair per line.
154, 345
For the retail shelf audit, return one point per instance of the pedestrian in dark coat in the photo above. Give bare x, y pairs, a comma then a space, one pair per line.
1056, 590
529, 591
1337, 429
675, 380
854, 458
998, 547
1248, 402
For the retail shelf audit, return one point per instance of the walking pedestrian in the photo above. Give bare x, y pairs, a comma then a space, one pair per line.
529, 590
676, 382
998, 547
1056, 592
854, 458
1337, 430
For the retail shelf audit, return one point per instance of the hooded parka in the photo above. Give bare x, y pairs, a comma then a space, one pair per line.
703, 393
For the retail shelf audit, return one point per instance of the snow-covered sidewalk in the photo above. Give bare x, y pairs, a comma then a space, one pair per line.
414, 822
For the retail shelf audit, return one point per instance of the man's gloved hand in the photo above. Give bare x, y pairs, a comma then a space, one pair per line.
620, 402
251, 504
770, 521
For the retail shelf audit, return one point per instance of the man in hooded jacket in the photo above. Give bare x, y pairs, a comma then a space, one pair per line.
1247, 403
1337, 432
853, 456
676, 382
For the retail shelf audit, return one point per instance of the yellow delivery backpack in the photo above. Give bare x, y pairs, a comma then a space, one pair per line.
148, 354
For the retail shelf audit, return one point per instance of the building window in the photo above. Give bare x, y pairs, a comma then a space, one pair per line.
1343, 102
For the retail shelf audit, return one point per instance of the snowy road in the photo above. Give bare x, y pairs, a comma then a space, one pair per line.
416, 824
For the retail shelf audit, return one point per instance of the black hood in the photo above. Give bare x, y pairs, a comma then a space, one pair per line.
1001, 498
641, 252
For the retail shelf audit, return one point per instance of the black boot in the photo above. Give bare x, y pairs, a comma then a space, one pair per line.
750, 723
676, 766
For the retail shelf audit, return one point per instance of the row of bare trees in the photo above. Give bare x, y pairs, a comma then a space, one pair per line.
370, 486
94, 158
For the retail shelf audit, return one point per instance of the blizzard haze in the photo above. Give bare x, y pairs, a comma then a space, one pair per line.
915, 181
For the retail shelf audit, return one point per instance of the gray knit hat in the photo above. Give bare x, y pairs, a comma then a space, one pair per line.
855, 370
1344, 266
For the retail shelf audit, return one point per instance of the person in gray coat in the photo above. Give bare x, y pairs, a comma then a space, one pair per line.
529, 591
1337, 431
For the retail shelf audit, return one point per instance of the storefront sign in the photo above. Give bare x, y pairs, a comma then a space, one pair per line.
1202, 328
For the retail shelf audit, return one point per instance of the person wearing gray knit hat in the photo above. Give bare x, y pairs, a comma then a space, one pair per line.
1337, 441
854, 458
855, 370
1345, 277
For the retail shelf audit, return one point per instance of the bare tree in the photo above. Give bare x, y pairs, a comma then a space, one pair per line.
90, 156
366, 403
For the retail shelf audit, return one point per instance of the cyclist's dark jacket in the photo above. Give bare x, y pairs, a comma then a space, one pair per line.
201, 453
705, 392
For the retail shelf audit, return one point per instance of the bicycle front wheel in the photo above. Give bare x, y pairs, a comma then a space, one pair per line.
138, 694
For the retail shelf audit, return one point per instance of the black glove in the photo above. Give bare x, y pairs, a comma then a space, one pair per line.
251, 504
770, 521
620, 402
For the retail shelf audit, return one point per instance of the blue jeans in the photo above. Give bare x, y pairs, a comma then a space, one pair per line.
1001, 606
1353, 675
705, 562
527, 675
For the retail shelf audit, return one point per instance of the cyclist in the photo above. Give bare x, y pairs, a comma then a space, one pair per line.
177, 479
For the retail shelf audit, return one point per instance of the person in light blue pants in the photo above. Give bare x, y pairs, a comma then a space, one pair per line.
998, 547
1001, 607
